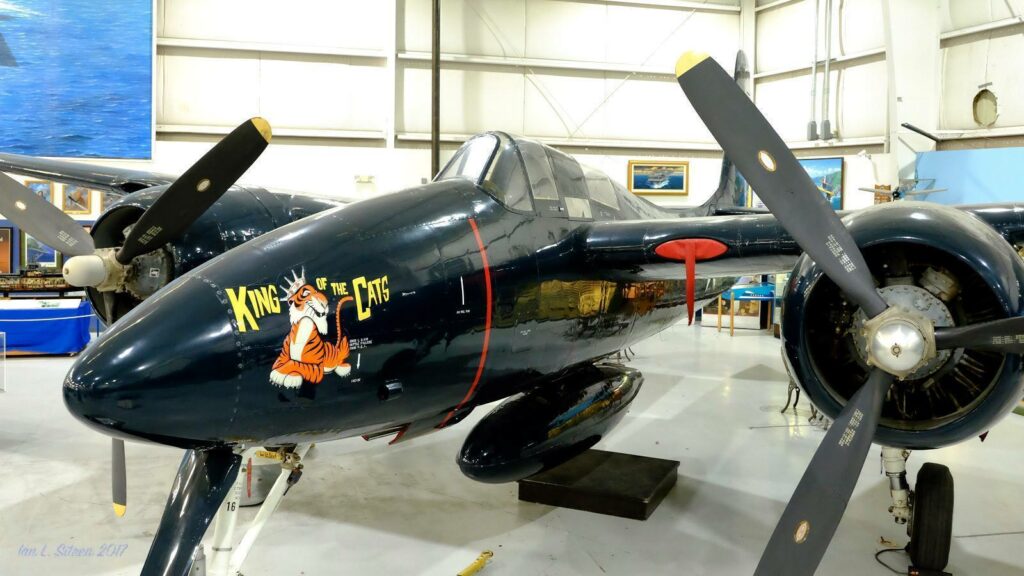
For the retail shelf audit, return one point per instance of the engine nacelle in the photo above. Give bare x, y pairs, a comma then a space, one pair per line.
945, 264
548, 425
237, 217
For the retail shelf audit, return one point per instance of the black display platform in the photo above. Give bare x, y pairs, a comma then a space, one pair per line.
604, 482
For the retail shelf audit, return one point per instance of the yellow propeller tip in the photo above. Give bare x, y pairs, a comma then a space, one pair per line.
264, 128
689, 60
120, 509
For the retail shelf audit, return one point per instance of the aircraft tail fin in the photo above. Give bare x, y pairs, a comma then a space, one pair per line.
727, 199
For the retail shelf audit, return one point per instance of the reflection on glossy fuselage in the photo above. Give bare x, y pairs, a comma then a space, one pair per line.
444, 300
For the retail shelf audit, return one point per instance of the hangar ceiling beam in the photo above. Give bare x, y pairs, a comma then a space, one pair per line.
268, 47
683, 4
775, 4
853, 59
540, 63
980, 28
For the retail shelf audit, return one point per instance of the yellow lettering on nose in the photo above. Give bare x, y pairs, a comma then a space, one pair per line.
254, 301
262, 306
371, 292
359, 286
242, 312
275, 302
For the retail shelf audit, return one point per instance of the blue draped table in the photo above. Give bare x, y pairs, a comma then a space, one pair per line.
33, 327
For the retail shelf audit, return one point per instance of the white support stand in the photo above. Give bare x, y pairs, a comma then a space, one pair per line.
227, 518
226, 559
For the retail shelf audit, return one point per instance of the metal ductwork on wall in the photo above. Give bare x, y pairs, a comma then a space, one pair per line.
826, 125
812, 124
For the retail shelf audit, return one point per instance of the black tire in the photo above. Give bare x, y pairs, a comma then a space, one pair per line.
933, 518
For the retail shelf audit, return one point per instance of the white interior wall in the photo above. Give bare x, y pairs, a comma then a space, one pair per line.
561, 70
346, 83
541, 100
785, 51
989, 59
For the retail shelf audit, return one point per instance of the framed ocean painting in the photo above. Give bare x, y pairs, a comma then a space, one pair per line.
659, 177
76, 78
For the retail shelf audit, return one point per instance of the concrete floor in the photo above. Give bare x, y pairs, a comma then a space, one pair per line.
710, 401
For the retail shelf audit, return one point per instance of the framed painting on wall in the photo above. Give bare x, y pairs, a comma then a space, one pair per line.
6, 250
42, 188
659, 177
826, 173
76, 200
36, 255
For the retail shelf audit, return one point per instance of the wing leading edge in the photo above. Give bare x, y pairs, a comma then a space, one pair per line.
724, 246
754, 244
120, 180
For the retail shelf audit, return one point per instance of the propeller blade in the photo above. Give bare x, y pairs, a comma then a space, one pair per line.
120, 478
42, 220
813, 513
203, 481
1005, 336
109, 300
781, 183
197, 189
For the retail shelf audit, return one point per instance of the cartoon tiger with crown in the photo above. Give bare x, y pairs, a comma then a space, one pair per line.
306, 355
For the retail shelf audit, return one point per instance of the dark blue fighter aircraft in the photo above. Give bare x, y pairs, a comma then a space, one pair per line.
516, 274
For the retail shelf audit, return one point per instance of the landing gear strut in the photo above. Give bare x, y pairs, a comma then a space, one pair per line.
927, 511
225, 559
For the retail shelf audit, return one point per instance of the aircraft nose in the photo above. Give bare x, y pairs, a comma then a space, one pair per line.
165, 372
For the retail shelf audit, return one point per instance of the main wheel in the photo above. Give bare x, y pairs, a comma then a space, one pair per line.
932, 527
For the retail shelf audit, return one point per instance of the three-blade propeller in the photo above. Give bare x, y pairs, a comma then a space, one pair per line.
817, 506
175, 210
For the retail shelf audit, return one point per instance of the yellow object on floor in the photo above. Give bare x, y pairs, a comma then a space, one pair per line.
477, 564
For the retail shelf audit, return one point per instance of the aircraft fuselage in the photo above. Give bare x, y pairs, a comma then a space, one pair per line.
444, 296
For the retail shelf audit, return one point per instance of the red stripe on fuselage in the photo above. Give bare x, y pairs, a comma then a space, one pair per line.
487, 326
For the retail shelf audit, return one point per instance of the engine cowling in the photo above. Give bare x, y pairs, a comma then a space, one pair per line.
548, 425
943, 263
237, 217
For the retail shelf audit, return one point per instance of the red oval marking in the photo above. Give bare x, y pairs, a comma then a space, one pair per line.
704, 249
690, 250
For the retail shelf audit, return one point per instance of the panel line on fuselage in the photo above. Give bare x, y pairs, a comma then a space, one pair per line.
487, 325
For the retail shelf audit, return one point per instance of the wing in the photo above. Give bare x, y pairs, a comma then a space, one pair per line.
721, 245
735, 245
120, 180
